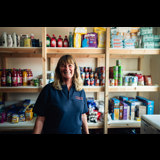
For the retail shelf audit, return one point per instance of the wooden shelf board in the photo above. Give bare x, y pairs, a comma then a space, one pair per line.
136, 51
93, 88
21, 50
133, 89
28, 125
32, 89
68, 50
20, 89
124, 124
97, 125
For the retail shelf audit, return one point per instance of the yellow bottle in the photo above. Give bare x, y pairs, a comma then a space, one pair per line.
29, 114
24, 78
27, 42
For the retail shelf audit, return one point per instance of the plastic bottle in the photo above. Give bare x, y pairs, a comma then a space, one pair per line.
48, 41
3, 77
9, 41
29, 76
70, 39
0, 76
20, 78
53, 41
24, 77
14, 77
65, 42
60, 41
27, 41
4, 39
14, 37
9, 78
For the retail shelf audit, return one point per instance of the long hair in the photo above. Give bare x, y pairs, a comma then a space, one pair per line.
67, 59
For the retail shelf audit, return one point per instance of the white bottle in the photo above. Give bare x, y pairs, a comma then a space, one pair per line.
14, 37
9, 41
4, 39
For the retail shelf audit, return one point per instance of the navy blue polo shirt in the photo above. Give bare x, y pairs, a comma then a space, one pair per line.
62, 109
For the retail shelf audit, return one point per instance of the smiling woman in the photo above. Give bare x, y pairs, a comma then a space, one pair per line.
61, 106
67, 71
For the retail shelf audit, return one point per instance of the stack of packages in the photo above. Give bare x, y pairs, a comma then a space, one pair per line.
129, 108
124, 37
95, 39
116, 41
149, 40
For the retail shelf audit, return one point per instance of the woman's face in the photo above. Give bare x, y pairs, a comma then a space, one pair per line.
67, 71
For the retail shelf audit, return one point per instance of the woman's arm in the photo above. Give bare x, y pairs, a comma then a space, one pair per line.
38, 125
85, 124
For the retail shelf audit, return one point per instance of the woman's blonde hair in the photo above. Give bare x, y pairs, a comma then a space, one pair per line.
67, 59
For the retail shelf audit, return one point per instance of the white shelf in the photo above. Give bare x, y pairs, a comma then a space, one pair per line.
20, 89
97, 125
27, 125
124, 124
153, 88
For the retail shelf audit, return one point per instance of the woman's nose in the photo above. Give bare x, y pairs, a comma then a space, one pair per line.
66, 67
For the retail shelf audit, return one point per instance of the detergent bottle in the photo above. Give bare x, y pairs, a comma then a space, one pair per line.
9, 41
60, 41
53, 41
48, 41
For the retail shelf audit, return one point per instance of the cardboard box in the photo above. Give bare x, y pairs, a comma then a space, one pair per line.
148, 103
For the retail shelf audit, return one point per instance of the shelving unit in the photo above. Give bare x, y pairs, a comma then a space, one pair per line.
48, 53
124, 53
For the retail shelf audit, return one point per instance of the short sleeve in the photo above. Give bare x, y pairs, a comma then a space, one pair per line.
85, 110
41, 102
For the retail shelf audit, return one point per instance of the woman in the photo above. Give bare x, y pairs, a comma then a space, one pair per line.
61, 105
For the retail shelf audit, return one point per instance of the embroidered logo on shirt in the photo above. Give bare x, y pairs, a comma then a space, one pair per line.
79, 98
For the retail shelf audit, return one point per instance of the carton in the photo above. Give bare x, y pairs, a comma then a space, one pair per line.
123, 98
148, 103
132, 109
114, 108
140, 110
126, 110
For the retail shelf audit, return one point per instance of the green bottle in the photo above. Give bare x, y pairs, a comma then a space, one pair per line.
48, 41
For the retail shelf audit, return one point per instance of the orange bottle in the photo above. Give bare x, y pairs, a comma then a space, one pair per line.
24, 77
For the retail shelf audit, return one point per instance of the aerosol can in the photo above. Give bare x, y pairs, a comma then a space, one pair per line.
4, 39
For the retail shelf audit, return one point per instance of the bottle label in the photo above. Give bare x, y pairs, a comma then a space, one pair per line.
14, 80
65, 44
25, 79
3, 80
9, 80
60, 44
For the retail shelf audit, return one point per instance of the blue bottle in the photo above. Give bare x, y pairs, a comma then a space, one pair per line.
70, 39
